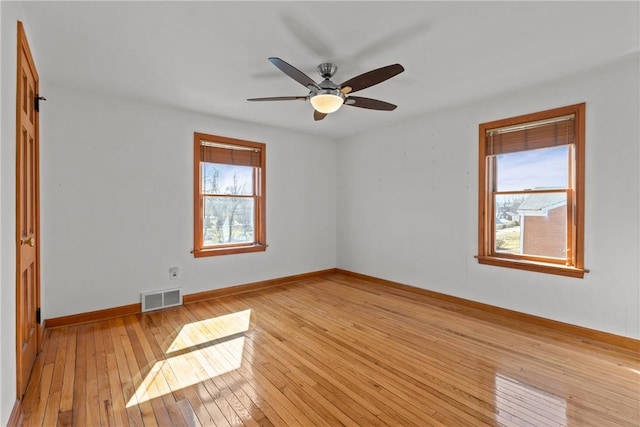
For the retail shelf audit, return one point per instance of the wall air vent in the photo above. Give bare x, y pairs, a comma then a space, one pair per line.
161, 299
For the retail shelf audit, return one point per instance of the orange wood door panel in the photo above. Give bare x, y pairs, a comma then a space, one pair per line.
27, 214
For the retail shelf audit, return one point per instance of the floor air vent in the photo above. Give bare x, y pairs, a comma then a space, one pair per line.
161, 299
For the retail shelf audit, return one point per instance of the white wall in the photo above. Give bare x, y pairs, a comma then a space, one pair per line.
407, 204
117, 202
10, 13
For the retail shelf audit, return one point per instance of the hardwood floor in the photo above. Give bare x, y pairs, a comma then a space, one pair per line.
328, 351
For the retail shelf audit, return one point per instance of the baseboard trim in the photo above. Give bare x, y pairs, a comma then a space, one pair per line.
586, 334
126, 310
255, 286
16, 413
94, 316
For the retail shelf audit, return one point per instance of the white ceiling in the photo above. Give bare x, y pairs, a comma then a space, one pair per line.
210, 56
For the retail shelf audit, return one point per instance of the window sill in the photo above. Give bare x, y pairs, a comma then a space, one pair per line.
539, 267
201, 253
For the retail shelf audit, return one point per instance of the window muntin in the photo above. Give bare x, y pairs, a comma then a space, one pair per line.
531, 187
229, 196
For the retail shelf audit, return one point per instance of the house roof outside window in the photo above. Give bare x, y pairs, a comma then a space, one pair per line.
540, 204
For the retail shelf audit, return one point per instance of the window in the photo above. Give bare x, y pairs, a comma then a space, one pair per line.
531, 192
229, 196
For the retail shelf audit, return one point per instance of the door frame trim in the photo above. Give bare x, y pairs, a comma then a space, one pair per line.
23, 46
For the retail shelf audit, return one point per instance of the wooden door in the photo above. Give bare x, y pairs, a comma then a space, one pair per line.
27, 215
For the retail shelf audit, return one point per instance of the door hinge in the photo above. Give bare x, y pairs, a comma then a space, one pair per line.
38, 315
37, 100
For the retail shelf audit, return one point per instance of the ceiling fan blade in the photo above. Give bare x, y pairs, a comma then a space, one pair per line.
371, 104
371, 78
317, 115
280, 98
294, 73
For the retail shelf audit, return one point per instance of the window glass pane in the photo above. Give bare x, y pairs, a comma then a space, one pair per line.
227, 179
507, 228
531, 224
228, 220
534, 169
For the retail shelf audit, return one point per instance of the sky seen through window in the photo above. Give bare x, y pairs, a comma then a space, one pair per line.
524, 170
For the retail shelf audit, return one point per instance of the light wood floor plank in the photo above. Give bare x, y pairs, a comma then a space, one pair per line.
93, 406
102, 378
328, 351
79, 415
134, 415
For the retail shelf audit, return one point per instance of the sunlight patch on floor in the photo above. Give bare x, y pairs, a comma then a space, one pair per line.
212, 329
202, 350
518, 403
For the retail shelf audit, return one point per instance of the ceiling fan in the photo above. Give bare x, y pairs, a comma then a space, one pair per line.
327, 97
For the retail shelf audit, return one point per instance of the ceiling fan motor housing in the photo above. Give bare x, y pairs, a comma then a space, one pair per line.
327, 87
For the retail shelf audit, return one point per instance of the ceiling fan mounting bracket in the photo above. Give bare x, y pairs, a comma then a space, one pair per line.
327, 70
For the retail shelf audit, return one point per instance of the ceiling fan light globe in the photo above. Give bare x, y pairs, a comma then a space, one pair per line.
326, 103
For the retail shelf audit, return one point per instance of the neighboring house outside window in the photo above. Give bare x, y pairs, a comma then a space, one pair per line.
531, 192
543, 224
229, 196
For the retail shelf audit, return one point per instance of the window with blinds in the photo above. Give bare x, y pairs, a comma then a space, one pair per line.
229, 196
531, 192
